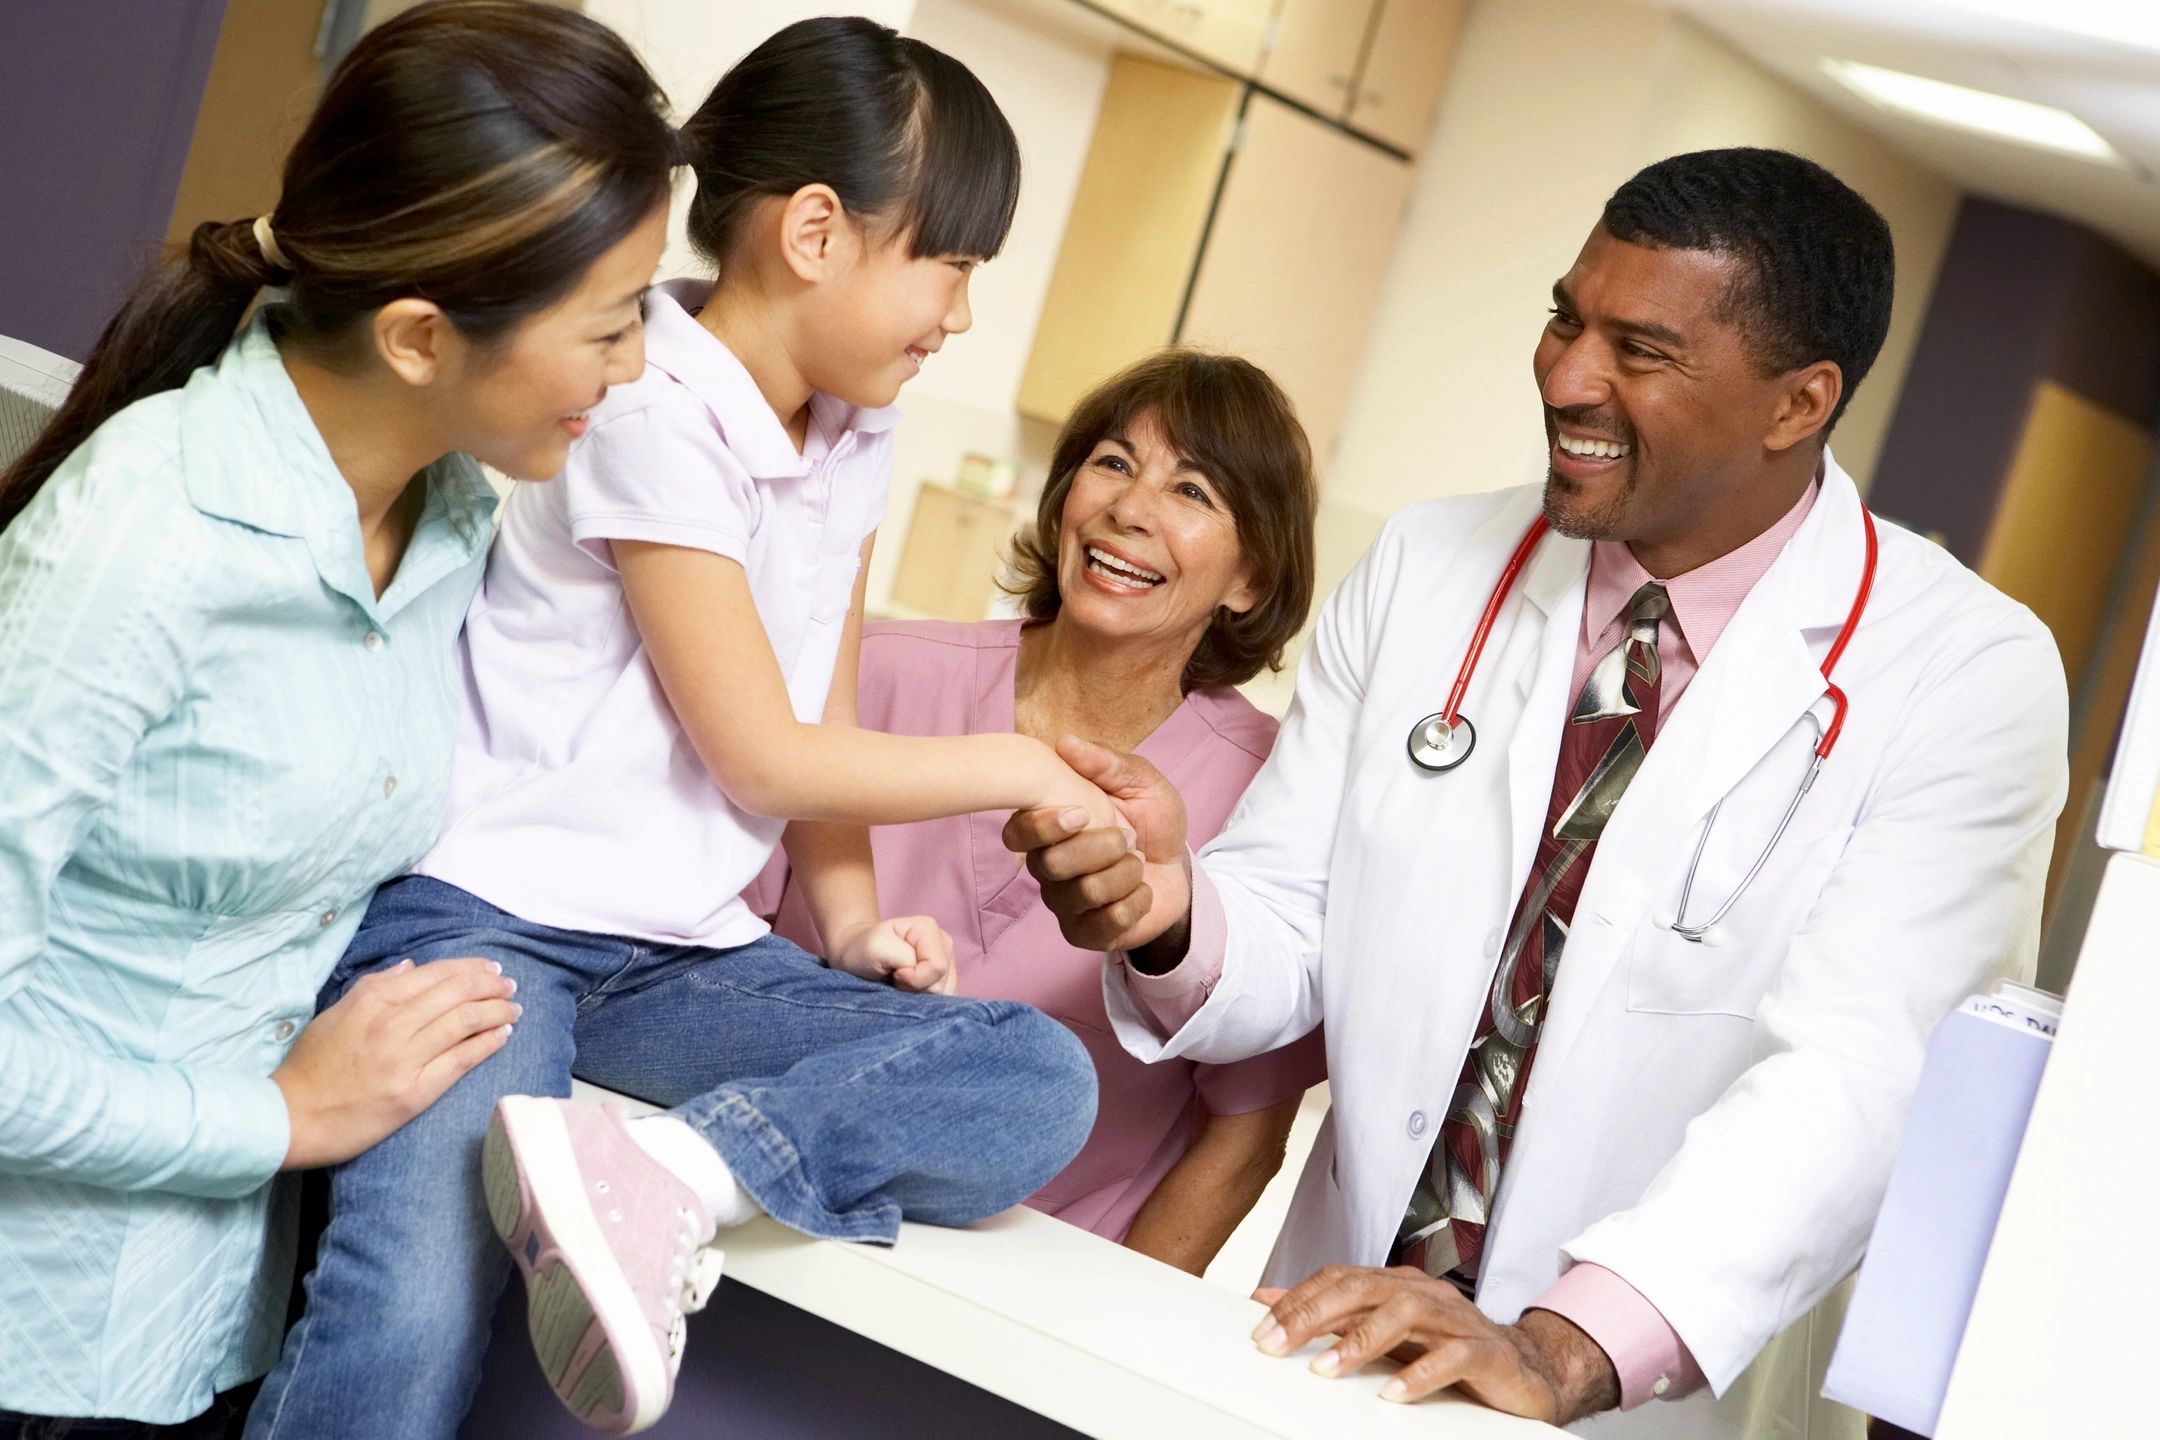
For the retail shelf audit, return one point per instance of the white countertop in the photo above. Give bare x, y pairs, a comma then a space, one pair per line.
1086, 1333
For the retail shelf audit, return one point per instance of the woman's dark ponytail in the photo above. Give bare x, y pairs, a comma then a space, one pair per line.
179, 319
482, 153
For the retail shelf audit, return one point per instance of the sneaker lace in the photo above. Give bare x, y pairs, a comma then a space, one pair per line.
692, 1277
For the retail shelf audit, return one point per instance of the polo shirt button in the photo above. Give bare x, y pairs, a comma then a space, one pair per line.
374, 640
1492, 943
329, 918
1417, 1124
285, 1029
389, 786
1663, 1383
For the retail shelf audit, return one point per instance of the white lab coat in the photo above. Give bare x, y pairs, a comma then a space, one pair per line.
1715, 1124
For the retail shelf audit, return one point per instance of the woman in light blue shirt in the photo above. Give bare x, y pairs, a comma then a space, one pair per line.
232, 575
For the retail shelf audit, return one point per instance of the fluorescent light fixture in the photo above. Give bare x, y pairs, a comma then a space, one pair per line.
2121, 22
1999, 115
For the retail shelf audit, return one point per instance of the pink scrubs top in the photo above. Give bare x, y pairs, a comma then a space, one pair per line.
946, 678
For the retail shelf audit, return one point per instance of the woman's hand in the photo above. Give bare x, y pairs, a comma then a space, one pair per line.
387, 1050
909, 953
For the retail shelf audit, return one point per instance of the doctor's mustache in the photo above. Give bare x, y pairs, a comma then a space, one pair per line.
1595, 421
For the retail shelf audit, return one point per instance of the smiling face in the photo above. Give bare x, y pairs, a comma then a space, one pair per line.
882, 316
1147, 548
519, 403
1660, 421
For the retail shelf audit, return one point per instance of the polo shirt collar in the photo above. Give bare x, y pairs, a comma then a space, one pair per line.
677, 345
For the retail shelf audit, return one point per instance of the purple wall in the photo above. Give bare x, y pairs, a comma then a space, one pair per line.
97, 106
2021, 298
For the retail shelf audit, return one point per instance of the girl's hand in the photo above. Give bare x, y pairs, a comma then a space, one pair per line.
908, 953
387, 1050
1070, 791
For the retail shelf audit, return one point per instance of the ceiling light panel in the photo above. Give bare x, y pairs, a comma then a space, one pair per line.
1979, 111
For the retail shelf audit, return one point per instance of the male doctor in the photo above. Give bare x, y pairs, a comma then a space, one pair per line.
1609, 1165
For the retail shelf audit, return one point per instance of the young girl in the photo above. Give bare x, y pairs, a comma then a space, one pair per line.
659, 677
231, 580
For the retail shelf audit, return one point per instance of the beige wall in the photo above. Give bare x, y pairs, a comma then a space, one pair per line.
1512, 182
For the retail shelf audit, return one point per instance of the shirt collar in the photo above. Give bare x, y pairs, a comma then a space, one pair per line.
1705, 599
252, 454
677, 345
255, 456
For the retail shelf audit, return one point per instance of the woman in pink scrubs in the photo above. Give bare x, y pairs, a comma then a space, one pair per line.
1172, 558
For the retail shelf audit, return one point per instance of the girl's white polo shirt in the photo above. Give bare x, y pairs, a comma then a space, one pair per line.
576, 799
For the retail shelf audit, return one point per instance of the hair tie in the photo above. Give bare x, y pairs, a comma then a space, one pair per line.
267, 243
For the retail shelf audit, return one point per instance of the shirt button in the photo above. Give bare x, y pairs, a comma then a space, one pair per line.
1663, 1383
389, 786
1492, 943
329, 918
374, 640
1417, 1124
285, 1029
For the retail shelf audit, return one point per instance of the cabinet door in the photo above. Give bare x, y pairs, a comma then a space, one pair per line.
1136, 222
1228, 32
955, 544
1318, 44
1297, 257
1405, 69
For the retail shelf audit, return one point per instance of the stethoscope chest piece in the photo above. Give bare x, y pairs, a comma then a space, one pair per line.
1438, 746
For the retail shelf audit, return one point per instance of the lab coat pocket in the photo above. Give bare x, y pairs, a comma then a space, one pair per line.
1730, 971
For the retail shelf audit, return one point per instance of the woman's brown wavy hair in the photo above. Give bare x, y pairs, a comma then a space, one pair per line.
1227, 417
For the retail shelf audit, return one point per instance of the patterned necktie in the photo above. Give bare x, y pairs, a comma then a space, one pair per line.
1608, 732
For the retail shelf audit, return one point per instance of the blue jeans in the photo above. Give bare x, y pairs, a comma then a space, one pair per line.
839, 1104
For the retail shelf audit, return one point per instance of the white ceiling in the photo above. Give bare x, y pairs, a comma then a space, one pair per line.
2115, 88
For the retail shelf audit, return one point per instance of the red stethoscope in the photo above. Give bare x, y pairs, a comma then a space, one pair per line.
1442, 741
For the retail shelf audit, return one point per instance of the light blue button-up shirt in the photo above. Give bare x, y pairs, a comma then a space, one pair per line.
215, 740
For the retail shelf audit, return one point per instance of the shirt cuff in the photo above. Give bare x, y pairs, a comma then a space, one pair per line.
1172, 998
242, 1131
1646, 1352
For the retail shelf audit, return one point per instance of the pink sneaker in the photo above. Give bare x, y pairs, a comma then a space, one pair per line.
609, 1243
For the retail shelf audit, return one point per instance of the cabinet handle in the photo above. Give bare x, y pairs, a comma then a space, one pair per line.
1372, 97
1338, 82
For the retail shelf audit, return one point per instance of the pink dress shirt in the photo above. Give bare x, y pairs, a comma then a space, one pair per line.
1646, 1352
943, 678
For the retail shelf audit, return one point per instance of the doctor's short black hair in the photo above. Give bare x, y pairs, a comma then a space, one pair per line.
1817, 269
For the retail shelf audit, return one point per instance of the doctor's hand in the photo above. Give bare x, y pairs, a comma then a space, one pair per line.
1541, 1366
1111, 890
908, 953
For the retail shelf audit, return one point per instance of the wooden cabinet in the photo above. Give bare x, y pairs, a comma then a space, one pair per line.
955, 548
1319, 45
1229, 32
1376, 65
1297, 257
1138, 216
1406, 65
